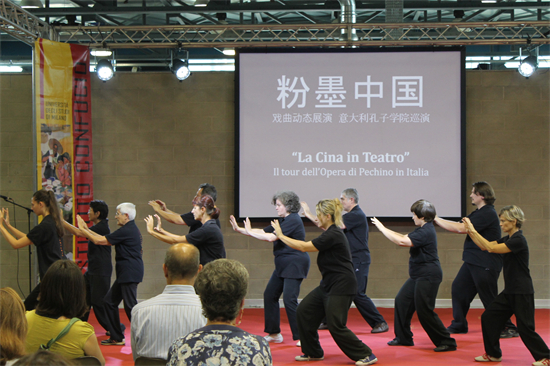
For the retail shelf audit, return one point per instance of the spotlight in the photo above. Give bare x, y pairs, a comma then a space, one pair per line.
101, 52
104, 70
528, 66
229, 51
181, 69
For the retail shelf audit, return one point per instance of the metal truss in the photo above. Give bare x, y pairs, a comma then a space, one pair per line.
21, 24
308, 35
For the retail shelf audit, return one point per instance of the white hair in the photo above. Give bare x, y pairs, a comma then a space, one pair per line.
127, 208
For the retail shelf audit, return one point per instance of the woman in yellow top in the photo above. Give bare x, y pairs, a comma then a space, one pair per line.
62, 297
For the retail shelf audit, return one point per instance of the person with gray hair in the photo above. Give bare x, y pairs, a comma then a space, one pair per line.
222, 286
419, 292
518, 296
158, 321
129, 268
291, 265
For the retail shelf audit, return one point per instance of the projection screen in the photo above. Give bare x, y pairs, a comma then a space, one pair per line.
388, 123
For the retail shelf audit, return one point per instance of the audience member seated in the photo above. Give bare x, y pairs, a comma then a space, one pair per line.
222, 286
62, 297
13, 327
158, 322
44, 358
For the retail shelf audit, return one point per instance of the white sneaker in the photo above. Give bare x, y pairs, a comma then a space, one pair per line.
278, 338
299, 344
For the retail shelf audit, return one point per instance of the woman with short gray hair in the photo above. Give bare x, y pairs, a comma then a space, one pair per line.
222, 287
291, 265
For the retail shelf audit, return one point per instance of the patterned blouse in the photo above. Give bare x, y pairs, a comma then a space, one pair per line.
222, 345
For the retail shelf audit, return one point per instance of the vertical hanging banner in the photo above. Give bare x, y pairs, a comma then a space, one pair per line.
64, 136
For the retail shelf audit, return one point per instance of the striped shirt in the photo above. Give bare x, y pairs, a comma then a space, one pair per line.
157, 322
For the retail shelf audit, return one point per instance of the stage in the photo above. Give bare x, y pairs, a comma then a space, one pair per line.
469, 345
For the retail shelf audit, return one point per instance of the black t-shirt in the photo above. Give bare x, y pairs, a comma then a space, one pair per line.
424, 261
357, 233
129, 263
49, 247
517, 278
334, 262
290, 263
486, 223
99, 256
209, 240
193, 224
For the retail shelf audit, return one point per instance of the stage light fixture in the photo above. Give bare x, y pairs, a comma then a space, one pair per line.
101, 52
180, 69
104, 70
528, 66
201, 3
229, 51
31, 4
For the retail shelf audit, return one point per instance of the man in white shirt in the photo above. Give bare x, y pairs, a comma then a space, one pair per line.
157, 322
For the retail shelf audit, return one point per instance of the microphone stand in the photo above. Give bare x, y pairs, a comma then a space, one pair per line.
10, 200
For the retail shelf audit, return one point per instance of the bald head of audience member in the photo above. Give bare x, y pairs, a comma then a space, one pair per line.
181, 264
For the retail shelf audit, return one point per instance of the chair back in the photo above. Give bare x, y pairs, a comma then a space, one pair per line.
148, 361
86, 361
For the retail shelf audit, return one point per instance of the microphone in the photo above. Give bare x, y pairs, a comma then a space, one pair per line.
9, 199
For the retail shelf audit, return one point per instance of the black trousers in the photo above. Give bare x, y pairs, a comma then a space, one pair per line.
290, 289
499, 311
419, 296
364, 304
311, 311
32, 300
97, 288
469, 281
126, 292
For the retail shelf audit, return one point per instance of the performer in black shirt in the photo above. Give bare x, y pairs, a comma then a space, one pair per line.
419, 292
334, 295
100, 268
207, 238
291, 265
518, 296
187, 218
46, 236
127, 241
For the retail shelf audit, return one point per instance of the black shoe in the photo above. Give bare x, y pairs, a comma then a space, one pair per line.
323, 326
397, 342
380, 328
444, 348
509, 333
122, 327
112, 342
456, 331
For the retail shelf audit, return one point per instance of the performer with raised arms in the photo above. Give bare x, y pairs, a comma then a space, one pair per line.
419, 292
291, 265
207, 238
518, 296
333, 297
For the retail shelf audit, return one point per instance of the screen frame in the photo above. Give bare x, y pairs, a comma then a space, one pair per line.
460, 49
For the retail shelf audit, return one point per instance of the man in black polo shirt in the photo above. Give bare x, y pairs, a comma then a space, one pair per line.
129, 268
98, 275
187, 218
480, 271
356, 229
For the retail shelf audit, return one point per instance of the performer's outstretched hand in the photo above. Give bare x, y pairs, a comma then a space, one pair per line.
468, 225
275, 224
159, 224
150, 223
377, 223
81, 223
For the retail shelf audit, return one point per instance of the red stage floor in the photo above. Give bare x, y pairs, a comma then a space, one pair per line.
469, 345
